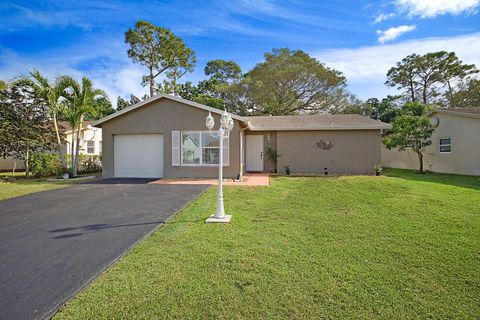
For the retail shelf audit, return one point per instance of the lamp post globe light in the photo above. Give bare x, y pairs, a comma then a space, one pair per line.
226, 125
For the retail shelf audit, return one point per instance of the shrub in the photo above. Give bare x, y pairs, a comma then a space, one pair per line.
43, 164
87, 164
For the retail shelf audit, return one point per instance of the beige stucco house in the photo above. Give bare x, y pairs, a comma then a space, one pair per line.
455, 144
90, 144
90, 139
165, 136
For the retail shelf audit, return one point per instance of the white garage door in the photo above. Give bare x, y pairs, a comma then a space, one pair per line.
138, 156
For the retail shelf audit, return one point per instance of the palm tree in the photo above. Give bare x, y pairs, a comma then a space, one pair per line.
3, 85
52, 94
80, 100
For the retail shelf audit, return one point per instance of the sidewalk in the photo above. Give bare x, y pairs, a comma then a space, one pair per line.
253, 179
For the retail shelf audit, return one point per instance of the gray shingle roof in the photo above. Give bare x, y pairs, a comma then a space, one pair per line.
315, 122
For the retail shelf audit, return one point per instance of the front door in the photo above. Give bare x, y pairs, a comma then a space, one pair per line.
254, 152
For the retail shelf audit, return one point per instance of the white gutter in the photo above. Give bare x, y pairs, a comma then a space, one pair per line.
321, 128
242, 157
453, 112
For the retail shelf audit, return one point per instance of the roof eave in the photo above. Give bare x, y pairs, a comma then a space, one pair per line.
322, 128
157, 97
453, 112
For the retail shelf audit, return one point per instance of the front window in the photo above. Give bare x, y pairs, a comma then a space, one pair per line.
445, 145
91, 147
199, 148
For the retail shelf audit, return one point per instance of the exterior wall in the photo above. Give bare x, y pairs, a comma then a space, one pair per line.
8, 164
164, 116
406, 159
354, 151
94, 134
464, 158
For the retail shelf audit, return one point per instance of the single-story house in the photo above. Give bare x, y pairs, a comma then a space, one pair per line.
166, 136
90, 144
455, 144
90, 138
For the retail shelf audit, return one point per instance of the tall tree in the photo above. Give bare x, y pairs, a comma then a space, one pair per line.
183, 63
122, 103
452, 71
403, 76
51, 92
424, 78
223, 71
156, 48
385, 110
348, 103
80, 102
414, 108
467, 95
24, 124
409, 131
103, 108
291, 82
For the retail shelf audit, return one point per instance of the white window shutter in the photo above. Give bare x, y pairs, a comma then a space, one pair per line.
226, 152
175, 148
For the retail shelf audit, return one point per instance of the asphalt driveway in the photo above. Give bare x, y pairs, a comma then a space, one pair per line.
53, 243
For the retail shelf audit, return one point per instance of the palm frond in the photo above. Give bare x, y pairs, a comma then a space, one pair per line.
41, 80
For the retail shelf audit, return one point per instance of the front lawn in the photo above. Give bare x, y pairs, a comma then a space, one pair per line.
386, 247
20, 186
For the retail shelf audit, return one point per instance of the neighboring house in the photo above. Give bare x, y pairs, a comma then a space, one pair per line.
90, 138
455, 144
90, 144
165, 136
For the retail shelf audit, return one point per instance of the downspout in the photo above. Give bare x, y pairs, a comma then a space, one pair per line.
242, 156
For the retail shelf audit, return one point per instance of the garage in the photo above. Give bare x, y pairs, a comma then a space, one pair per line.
138, 156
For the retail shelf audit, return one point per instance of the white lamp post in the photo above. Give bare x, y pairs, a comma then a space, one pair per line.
226, 125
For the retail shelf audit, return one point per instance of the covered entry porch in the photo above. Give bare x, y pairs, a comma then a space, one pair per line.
259, 152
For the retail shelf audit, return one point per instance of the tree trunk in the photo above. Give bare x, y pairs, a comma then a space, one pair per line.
59, 142
420, 159
152, 82
72, 148
412, 92
449, 93
424, 94
174, 82
77, 147
27, 162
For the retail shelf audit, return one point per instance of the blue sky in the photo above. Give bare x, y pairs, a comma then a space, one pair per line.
363, 39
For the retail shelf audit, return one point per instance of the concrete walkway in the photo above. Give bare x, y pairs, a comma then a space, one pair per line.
54, 243
254, 179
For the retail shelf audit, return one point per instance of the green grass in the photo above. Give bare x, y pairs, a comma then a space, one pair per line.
22, 186
401, 246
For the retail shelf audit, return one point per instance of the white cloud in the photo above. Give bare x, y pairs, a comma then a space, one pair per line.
105, 62
366, 67
382, 17
393, 33
432, 8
